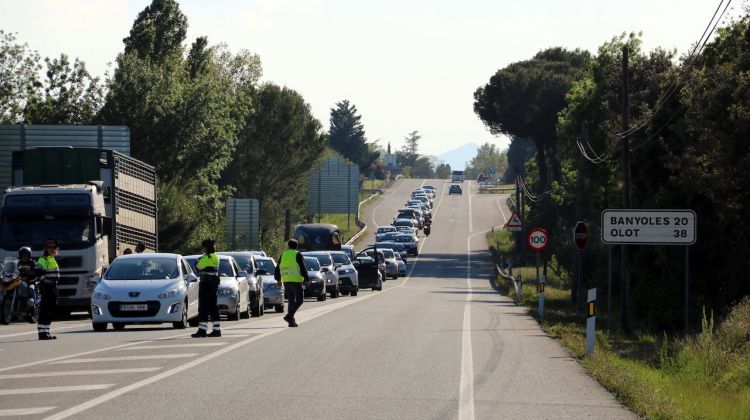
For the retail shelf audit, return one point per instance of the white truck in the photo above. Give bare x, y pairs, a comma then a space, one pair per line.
94, 202
457, 176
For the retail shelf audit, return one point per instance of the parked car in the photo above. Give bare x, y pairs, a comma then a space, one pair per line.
316, 286
430, 188
382, 230
411, 213
405, 229
273, 291
145, 289
328, 267
424, 199
396, 247
455, 189
370, 265
246, 261
391, 264
410, 243
258, 253
348, 276
389, 236
234, 291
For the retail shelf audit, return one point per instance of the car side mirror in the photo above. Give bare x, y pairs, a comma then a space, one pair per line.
192, 278
242, 274
325, 269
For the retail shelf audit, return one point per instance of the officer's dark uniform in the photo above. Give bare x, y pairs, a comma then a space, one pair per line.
208, 265
49, 272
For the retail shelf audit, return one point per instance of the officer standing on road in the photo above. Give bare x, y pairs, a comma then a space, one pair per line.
208, 265
292, 272
49, 272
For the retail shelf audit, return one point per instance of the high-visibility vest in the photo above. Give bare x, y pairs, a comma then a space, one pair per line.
208, 263
289, 268
52, 270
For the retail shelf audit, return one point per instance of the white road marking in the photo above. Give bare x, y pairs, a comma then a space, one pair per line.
173, 346
13, 412
466, 383
49, 389
126, 358
77, 373
34, 331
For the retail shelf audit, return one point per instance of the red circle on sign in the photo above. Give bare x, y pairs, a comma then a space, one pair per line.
537, 239
581, 235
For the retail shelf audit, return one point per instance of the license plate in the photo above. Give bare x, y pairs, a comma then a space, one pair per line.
134, 307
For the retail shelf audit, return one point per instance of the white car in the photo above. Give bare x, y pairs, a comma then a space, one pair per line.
145, 289
233, 296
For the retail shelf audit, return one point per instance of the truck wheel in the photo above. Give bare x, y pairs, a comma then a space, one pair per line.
280, 309
99, 326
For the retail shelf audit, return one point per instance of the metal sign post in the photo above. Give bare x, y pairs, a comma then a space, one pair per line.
538, 240
591, 321
652, 227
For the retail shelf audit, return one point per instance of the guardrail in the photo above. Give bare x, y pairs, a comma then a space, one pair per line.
514, 283
362, 225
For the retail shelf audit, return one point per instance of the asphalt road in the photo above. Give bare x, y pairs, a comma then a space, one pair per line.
438, 344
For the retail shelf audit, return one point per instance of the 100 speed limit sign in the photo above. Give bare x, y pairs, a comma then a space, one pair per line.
537, 239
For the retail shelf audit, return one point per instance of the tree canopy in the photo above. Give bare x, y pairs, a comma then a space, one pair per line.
347, 136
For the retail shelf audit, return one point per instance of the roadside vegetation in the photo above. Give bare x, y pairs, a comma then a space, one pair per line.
656, 374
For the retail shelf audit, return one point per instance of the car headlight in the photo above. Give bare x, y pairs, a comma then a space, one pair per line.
346, 271
225, 292
168, 294
329, 281
102, 296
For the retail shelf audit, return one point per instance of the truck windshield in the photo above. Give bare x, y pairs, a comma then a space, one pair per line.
70, 232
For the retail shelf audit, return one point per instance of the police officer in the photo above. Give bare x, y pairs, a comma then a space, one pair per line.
208, 266
48, 272
292, 272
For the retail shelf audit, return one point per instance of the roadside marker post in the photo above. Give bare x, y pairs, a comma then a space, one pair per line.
591, 321
538, 240
542, 282
519, 289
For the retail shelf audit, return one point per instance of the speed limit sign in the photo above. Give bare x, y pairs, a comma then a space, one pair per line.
537, 239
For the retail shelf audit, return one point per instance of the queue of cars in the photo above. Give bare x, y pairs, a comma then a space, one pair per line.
162, 287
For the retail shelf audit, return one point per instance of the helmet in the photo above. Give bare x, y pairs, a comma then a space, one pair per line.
24, 250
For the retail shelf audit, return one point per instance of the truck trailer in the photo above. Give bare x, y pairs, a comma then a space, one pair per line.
95, 202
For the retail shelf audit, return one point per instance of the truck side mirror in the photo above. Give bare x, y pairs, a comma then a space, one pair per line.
106, 226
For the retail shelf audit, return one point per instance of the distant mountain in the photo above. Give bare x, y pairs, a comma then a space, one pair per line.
458, 157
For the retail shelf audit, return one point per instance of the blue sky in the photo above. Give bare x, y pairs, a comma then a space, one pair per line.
407, 65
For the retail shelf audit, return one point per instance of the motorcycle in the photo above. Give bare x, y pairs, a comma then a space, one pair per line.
18, 297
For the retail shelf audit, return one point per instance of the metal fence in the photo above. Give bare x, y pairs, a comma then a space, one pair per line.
243, 224
333, 188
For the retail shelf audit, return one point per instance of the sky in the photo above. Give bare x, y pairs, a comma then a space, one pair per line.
406, 64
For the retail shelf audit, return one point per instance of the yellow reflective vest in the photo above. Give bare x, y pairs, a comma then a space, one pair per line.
289, 267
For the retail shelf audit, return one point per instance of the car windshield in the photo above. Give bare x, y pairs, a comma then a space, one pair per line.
340, 259
404, 238
312, 264
386, 229
388, 253
143, 269
225, 269
244, 261
323, 259
266, 265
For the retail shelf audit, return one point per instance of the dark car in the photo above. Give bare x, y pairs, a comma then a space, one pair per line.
318, 237
455, 189
316, 286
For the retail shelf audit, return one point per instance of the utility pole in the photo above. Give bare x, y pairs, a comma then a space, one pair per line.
625, 250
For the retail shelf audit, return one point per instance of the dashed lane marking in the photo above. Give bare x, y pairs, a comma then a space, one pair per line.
126, 358
174, 346
78, 373
48, 389
14, 412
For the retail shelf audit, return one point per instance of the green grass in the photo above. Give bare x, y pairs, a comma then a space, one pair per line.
340, 220
706, 376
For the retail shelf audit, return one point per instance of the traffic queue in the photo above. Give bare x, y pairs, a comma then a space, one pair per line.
156, 288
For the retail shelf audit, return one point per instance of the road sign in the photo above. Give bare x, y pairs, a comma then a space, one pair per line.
648, 227
537, 239
581, 235
514, 223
